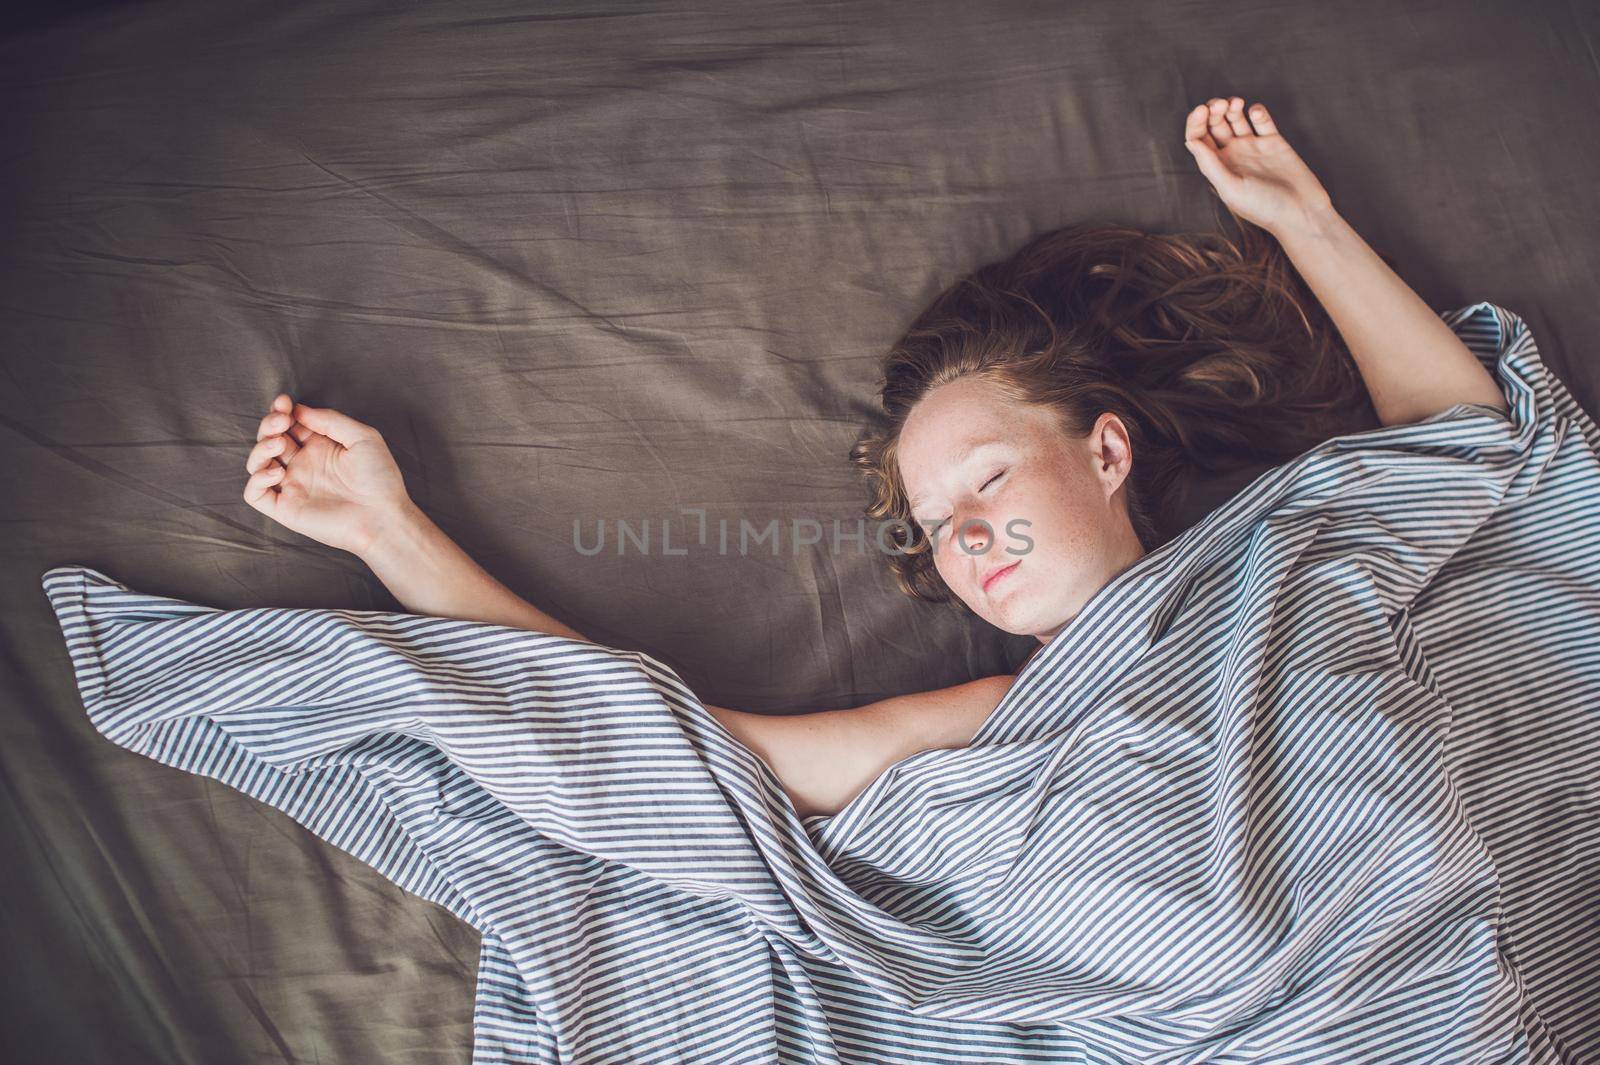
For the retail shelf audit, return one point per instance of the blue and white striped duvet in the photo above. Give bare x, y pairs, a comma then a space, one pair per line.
1315, 782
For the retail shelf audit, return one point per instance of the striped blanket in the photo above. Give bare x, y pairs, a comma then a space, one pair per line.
1314, 782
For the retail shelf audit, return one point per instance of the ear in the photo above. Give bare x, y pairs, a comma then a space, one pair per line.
1113, 450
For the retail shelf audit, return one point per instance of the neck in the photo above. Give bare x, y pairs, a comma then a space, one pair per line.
1132, 552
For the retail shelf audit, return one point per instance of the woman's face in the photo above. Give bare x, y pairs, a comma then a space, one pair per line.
997, 483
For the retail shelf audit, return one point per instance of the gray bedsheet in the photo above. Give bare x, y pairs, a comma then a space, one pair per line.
584, 263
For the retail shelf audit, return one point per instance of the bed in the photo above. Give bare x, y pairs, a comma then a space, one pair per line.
586, 264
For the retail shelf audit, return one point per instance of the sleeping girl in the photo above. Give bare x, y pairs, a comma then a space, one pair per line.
1073, 390
1312, 778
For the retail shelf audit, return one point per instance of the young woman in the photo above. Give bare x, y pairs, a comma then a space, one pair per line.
1040, 418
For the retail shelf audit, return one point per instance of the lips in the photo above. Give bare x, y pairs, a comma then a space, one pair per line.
997, 574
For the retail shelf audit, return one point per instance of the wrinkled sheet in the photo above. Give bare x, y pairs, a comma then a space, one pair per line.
1236, 810
581, 261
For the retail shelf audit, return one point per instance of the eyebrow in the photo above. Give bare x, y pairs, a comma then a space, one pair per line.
916, 501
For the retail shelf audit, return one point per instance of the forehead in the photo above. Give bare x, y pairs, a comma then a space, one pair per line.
954, 414
954, 418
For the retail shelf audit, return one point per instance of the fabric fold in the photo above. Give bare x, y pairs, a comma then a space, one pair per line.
1217, 817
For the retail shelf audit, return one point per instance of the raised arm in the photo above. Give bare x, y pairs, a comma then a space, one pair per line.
1413, 364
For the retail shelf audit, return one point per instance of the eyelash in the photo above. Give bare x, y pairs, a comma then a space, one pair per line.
998, 474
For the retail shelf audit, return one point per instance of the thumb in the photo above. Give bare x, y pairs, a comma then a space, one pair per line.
338, 427
1211, 164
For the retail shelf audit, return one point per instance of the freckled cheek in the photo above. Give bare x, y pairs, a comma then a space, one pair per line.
1061, 526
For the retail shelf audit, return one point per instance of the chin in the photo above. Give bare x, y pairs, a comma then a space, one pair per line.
1014, 616
1022, 616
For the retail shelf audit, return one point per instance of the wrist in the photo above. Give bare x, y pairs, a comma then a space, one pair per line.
1316, 220
390, 532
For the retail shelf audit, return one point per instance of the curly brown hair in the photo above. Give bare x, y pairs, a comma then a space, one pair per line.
1212, 350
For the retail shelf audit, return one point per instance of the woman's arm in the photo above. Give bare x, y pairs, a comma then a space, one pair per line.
823, 759
429, 573
325, 475
1412, 363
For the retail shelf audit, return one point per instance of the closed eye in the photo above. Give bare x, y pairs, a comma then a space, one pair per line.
984, 486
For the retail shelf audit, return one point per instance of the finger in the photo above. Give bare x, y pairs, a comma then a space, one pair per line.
279, 448
264, 453
1210, 163
1216, 123
261, 490
291, 448
333, 424
300, 433
1194, 127
1263, 121
1236, 120
283, 401
275, 422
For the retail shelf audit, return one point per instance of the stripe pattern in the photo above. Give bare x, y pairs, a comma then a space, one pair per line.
1315, 781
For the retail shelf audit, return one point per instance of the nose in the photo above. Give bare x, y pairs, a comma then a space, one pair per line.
974, 537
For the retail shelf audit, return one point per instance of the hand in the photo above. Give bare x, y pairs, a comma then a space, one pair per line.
1259, 177
325, 475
